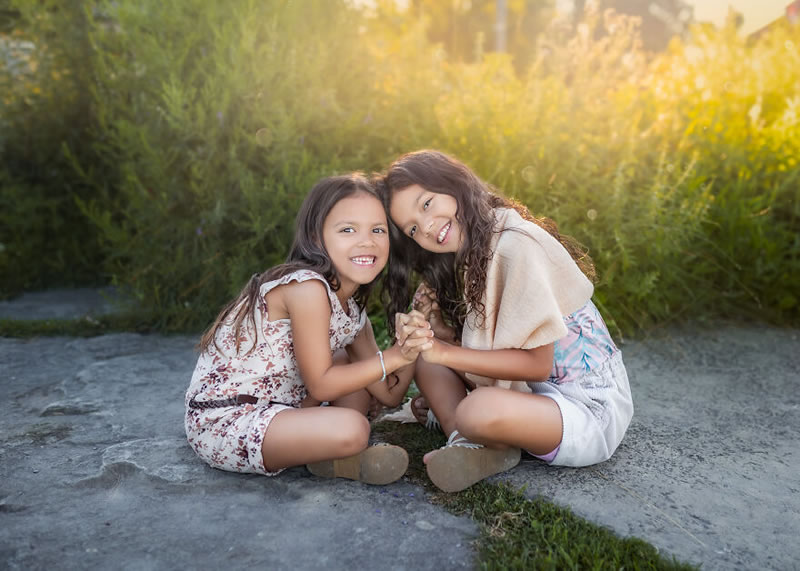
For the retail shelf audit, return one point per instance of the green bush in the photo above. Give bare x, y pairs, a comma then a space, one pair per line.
219, 119
207, 124
44, 238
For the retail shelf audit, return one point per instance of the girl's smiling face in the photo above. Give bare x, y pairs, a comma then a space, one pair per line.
427, 217
355, 234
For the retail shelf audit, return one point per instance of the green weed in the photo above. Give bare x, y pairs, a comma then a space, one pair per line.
521, 533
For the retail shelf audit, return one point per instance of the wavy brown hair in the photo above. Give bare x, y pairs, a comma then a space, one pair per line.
459, 279
307, 253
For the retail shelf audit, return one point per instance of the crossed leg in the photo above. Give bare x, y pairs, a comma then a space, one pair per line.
306, 435
316, 433
489, 415
501, 420
495, 416
443, 389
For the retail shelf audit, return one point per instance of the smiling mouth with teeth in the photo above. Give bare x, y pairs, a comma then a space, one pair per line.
443, 233
364, 260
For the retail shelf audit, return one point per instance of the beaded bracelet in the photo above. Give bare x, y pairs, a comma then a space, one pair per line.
383, 366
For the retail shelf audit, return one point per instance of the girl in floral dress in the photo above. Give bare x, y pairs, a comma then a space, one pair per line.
522, 359
298, 336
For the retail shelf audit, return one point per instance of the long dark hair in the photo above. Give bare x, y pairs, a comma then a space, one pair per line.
307, 253
459, 279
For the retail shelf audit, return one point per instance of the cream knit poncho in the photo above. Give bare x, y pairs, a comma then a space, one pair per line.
531, 285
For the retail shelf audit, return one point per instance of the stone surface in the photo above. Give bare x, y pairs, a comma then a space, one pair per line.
709, 470
95, 472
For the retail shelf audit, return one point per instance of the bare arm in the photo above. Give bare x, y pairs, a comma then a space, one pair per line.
393, 389
309, 312
511, 364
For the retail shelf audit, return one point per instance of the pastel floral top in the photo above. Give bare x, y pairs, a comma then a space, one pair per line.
586, 345
269, 372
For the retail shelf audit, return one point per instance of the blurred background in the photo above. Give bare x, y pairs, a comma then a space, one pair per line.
164, 147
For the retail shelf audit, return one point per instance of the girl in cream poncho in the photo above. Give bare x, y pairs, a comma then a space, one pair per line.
522, 358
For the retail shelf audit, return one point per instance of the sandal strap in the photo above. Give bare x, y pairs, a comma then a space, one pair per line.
431, 422
460, 441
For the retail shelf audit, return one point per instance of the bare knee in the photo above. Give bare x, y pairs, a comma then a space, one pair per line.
351, 435
477, 418
424, 373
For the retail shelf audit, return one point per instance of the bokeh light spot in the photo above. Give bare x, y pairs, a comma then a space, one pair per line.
529, 174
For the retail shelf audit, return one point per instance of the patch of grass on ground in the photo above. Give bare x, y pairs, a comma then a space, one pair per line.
520, 533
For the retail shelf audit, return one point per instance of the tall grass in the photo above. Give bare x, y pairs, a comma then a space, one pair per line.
210, 122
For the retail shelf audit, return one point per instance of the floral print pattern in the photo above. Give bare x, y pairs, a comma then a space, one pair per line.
586, 346
229, 438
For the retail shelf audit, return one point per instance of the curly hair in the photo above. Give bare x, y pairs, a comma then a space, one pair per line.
458, 279
307, 253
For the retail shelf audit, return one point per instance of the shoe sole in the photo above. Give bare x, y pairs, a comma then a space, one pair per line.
456, 468
377, 465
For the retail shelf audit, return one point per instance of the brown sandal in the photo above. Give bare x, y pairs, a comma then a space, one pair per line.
461, 463
379, 464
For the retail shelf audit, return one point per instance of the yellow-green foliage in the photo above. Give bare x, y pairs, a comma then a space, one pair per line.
210, 121
679, 172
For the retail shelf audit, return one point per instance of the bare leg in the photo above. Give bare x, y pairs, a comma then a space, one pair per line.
359, 400
332, 441
301, 436
444, 389
492, 416
504, 422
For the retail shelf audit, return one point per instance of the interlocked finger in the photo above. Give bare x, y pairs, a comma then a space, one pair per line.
407, 323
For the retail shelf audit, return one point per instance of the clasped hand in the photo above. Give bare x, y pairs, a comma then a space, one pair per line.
425, 302
414, 335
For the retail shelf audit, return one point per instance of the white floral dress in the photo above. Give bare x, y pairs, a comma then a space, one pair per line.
230, 437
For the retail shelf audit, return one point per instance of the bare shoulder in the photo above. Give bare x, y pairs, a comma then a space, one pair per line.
309, 295
294, 297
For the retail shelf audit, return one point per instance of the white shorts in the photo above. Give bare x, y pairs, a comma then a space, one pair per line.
596, 411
